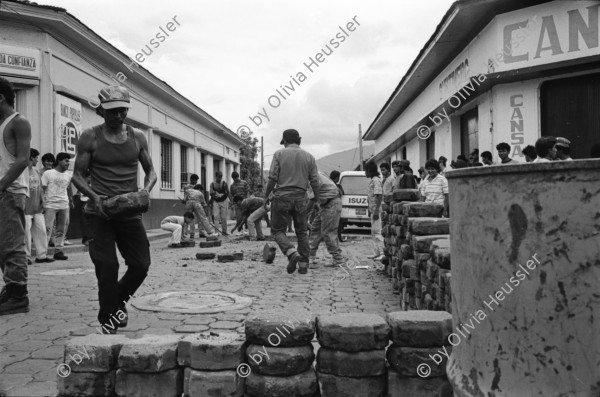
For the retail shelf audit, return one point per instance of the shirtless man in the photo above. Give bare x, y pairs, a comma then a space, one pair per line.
111, 152
15, 138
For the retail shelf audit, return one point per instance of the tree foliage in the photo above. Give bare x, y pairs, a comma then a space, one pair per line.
249, 168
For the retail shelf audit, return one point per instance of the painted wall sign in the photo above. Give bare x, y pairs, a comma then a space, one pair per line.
18, 61
68, 124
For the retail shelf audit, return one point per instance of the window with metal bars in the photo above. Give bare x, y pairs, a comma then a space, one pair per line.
184, 166
166, 164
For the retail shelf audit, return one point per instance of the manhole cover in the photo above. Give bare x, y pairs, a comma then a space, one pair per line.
193, 302
67, 272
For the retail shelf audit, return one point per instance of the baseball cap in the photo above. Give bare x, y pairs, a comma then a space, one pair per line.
113, 97
289, 135
560, 141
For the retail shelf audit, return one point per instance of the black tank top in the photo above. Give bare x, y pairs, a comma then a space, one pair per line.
114, 166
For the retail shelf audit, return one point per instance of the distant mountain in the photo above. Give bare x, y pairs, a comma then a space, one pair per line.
347, 160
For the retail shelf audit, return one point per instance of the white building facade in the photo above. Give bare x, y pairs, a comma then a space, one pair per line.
497, 71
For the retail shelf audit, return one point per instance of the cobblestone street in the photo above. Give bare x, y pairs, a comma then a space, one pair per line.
64, 306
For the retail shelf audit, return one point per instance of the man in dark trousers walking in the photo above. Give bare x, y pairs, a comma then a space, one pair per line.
111, 151
292, 170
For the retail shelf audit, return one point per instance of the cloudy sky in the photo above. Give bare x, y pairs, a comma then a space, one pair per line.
230, 58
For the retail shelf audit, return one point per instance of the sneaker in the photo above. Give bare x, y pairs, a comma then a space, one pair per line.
59, 256
123, 322
45, 260
379, 258
260, 238
303, 267
245, 233
67, 242
313, 260
293, 261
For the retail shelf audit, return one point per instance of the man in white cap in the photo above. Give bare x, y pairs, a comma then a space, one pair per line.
563, 149
111, 151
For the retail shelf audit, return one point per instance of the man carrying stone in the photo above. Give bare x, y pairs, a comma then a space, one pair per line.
111, 151
325, 224
252, 210
15, 138
292, 170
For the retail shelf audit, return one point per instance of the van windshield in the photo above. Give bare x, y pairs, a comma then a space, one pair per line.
358, 184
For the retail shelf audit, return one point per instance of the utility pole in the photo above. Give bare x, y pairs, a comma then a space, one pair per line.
262, 159
360, 147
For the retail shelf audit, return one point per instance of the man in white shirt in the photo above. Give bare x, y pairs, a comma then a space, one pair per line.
58, 201
434, 188
175, 225
545, 149
388, 179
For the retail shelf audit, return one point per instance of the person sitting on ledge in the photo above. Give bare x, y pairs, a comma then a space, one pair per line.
175, 225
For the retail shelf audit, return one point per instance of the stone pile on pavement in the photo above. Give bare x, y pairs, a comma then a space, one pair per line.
211, 361
280, 354
417, 336
421, 256
394, 231
351, 360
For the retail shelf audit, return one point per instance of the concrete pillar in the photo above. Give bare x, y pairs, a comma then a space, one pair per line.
525, 303
223, 169
210, 170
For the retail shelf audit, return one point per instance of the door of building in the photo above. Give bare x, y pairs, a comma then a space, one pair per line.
570, 108
469, 132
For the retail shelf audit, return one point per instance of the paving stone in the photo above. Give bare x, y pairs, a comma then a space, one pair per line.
30, 366
150, 353
14, 380
400, 386
280, 361
215, 383
269, 252
225, 258
428, 226
420, 328
93, 353
352, 332
406, 194
354, 364
238, 256
205, 255
33, 389
337, 386
423, 243
301, 385
405, 360
279, 330
87, 384
191, 328
225, 325
211, 351
210, 244
162, 384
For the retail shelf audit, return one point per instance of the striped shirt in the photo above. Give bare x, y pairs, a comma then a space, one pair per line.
434, 190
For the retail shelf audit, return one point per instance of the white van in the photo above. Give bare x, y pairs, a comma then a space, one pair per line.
354, 201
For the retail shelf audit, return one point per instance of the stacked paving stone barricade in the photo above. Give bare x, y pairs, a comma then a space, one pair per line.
281, 355
352, 359
417, 251
417, 336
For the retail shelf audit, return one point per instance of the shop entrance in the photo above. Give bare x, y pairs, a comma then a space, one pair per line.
570, 108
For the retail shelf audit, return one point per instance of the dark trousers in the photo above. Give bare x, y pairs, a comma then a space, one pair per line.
282, 209
129, 236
